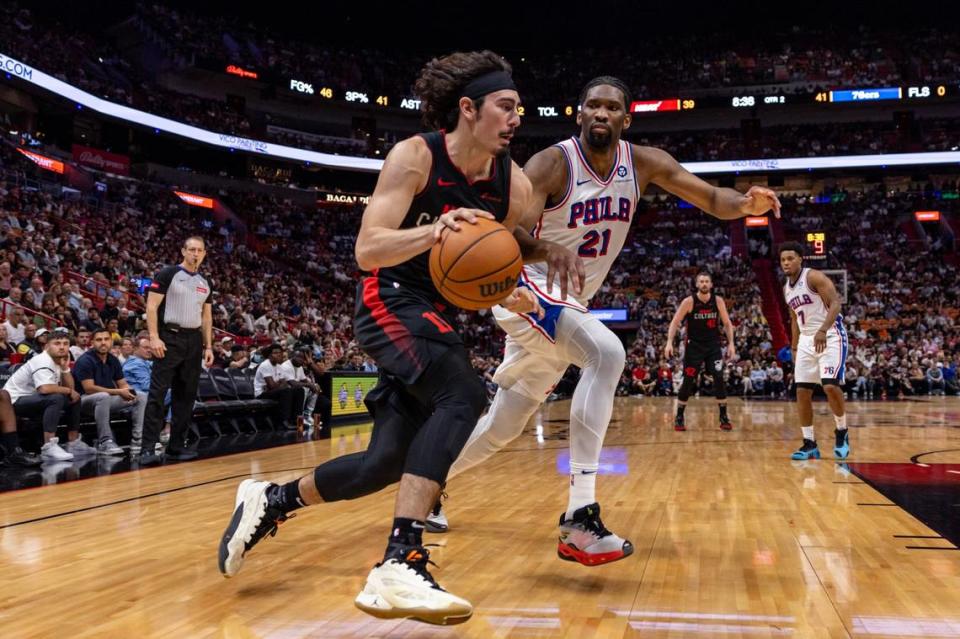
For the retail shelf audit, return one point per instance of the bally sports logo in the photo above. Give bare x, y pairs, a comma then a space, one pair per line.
100, 159
498, 290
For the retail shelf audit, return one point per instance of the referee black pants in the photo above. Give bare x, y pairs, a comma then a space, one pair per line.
178, 371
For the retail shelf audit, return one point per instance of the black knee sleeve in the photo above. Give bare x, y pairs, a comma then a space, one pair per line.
458, 398
688, 386
719, 387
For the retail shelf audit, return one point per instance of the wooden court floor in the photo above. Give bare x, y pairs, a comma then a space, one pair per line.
732, 538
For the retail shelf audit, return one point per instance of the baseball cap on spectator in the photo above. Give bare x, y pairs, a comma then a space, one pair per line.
226, 340
40, 332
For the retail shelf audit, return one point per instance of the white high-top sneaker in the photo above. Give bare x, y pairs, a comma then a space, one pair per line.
51, 451
586, 540
401, 587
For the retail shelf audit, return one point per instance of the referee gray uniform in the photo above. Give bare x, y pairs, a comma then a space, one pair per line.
180, 318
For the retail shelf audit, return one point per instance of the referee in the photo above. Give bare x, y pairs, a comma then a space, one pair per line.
180, 323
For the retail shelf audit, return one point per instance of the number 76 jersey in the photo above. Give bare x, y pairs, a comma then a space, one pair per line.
592, 220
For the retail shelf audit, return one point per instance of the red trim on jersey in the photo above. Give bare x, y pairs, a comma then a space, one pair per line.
538, 328
387, 321
493, 162
550, 299
569, 191
593, 174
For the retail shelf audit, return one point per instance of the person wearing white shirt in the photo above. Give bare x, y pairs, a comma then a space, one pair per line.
44, 387
294, 372
15, 326
267, 384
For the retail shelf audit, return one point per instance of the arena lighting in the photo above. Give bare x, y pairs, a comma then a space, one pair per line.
44, 162
195, 200
243, 73
758, 221
927, 216
224, 140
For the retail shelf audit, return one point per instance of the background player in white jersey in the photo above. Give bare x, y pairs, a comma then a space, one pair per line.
585, 194
819, 347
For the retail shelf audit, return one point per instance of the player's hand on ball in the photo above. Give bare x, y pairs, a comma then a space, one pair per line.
668, 351
565, 264
820, 341
450, 220
522, 300
760, 200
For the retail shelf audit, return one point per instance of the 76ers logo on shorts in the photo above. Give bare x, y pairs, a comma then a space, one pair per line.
829, 370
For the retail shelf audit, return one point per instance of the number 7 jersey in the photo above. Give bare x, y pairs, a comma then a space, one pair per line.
592, 220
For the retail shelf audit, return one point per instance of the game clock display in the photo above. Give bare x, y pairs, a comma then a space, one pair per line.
816, 245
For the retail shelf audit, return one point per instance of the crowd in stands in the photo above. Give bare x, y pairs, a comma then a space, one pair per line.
653, 66
871, 58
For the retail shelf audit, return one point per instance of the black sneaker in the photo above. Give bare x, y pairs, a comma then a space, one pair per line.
256, 514
809, 450
148, 458
181, 454
678, 423
20, 457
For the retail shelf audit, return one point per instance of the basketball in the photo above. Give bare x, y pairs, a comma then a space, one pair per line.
477, 266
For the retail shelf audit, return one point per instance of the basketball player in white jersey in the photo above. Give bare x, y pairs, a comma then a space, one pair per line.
585, 194
819, 347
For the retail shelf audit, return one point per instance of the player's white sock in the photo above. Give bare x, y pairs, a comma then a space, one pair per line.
583, 484
808, 433
841, 421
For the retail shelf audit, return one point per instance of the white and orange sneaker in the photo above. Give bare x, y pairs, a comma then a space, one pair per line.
401, 587
586, 540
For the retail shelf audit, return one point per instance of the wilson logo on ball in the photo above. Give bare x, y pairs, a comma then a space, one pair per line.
498, 289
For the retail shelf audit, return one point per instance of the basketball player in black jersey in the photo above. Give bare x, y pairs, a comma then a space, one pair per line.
428, 398
704, 311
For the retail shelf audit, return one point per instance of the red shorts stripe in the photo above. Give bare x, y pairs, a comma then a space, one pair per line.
389, 323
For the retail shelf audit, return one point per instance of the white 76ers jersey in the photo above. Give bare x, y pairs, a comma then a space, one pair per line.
808, 305
591, 220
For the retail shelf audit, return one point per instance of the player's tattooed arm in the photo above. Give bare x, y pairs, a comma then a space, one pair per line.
726, 204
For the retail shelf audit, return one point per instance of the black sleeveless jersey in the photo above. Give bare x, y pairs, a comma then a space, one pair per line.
447, 188
703, 322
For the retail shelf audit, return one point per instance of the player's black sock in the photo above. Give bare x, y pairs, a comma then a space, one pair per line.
680, 409
723, 413
405, 532
286, 497
9, 441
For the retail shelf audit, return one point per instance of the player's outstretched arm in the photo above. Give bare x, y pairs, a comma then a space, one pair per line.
682, 311
723, 203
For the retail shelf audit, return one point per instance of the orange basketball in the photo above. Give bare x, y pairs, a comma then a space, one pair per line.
477, 266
